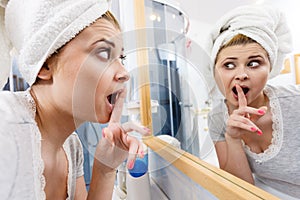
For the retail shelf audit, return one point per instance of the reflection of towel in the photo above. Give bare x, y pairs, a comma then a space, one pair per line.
37, 28
265, 25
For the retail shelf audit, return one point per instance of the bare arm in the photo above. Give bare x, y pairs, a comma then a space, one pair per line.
80, 192
101, 186
232, 159
102, 182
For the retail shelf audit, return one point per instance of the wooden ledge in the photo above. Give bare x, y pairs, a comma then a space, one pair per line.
217, 181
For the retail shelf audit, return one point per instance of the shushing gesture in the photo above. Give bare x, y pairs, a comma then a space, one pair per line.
116, 145
242, 120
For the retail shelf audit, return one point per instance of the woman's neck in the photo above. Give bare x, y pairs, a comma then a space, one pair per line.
54, 125
262, 100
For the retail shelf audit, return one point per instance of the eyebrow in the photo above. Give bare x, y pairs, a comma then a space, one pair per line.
250, 57
106, 41
234, 58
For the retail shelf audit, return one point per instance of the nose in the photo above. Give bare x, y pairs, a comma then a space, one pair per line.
241, 76
122, 75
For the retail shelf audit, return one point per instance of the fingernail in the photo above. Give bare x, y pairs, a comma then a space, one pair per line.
259, 132
130, 164
253, 129
261, 112
142, 154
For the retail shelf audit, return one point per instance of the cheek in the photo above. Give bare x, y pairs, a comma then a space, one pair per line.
89, 75
102, 90
262, 79
68, 70
63, 81
103, 84
88, 89
220, 81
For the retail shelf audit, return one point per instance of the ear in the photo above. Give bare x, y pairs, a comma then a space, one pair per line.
45, 72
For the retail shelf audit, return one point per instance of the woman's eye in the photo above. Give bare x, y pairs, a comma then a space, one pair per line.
253, 64
229, 65
104, 54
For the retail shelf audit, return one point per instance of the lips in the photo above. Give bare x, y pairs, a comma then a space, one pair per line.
244, 88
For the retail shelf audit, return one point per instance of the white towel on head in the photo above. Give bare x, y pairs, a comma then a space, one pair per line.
5, 47
37, 28
264, 24
3, 3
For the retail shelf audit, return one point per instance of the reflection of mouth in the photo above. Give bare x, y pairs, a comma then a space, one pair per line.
112, 98
244, 88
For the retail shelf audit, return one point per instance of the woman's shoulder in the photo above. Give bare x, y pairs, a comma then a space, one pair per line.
73, 145
73, 139
16, 106
218, 115
74, 150
7, 101
283, 90
219, 108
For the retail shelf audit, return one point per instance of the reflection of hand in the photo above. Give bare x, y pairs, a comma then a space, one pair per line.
239, 121
115, 144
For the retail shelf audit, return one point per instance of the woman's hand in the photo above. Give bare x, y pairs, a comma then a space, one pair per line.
116, 145
239, 121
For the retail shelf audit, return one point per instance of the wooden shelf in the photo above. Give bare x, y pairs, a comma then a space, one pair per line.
217, 181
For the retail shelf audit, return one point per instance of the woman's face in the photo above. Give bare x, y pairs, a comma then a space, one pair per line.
247, 65
89, 71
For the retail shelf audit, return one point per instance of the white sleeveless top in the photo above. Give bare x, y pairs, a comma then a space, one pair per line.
21, 163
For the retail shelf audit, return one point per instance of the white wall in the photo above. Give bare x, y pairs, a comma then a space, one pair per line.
290, 8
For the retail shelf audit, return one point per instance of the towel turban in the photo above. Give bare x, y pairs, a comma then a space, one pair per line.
35, 29
264, 24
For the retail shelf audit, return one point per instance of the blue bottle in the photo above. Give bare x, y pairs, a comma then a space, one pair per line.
140, 167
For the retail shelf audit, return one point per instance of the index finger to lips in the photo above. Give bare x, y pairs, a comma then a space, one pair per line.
241, 96
118, 107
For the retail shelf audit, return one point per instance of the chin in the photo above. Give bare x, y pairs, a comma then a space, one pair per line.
232, 101
103, 119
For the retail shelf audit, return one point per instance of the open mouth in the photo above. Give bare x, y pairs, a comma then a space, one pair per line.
245, 90
112, 98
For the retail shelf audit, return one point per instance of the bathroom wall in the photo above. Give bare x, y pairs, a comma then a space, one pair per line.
204, 14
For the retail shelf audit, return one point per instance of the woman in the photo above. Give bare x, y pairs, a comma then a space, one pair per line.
255, 127
69, 52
